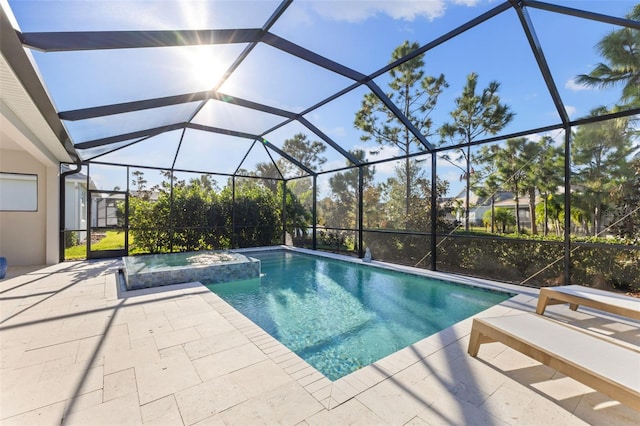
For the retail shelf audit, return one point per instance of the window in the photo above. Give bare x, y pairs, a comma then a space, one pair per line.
18, 192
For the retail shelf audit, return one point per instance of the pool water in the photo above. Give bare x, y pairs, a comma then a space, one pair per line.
341, 316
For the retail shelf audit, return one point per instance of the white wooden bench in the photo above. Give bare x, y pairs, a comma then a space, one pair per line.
602, 365
576, 295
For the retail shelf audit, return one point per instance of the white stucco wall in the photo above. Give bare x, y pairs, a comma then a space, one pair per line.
31, 238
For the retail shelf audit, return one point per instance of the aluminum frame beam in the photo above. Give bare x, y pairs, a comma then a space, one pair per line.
543, 66
250, 136
13, 52
328, 140
158, 130
127, 136
103, 40
312, 57
122, 108
623, 22
288, 157
403, 118
438, 41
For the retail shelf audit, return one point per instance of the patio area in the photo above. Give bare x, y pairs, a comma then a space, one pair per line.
77, 351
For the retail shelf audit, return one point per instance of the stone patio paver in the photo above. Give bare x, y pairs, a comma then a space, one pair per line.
448, 411
209, 398
49, 415
393, 402
84, 401
120, 384
121, 411
77, 350
221, 363
215, 343
350, 413
163, 411
260, 378
171, 373
288, 404
176, 337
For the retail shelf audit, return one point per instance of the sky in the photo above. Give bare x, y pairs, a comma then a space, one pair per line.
359, 34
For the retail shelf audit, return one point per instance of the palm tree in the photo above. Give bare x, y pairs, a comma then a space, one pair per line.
621, 49
547, 177
504, 217
485, 180
513, 163
600, 160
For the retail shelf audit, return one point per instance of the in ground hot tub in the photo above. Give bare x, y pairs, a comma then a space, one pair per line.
177, 268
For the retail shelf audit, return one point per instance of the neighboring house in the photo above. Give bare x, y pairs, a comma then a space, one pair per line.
455, 208
76, 195
105, 212
479, 206
148, 194
105, 209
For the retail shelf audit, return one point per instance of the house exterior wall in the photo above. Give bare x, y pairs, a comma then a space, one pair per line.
30, 238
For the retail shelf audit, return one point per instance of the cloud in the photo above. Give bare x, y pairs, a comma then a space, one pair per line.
358, 11
337, 132
557, 136
573, 85
571, 110
335, 163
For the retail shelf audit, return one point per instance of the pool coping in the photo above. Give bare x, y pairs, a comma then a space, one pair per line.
332, 394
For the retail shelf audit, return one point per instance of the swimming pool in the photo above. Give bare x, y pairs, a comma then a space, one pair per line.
341, 316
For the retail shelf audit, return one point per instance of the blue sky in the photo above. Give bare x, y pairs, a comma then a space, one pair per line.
359, 34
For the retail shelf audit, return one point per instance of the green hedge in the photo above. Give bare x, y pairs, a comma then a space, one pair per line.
531, 261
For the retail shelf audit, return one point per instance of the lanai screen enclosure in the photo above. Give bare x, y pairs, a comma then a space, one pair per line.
495, 139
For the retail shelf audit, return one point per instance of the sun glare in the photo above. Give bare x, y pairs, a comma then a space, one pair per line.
204, 68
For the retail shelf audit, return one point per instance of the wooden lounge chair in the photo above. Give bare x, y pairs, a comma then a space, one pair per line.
602, 365
576, 295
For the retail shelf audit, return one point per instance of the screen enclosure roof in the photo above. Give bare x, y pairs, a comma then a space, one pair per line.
219, 86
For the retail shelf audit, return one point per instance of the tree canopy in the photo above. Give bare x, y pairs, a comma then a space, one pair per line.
621, 51
476, 114
416, 94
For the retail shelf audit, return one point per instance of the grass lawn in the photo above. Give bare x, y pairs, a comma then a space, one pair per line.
112, 241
